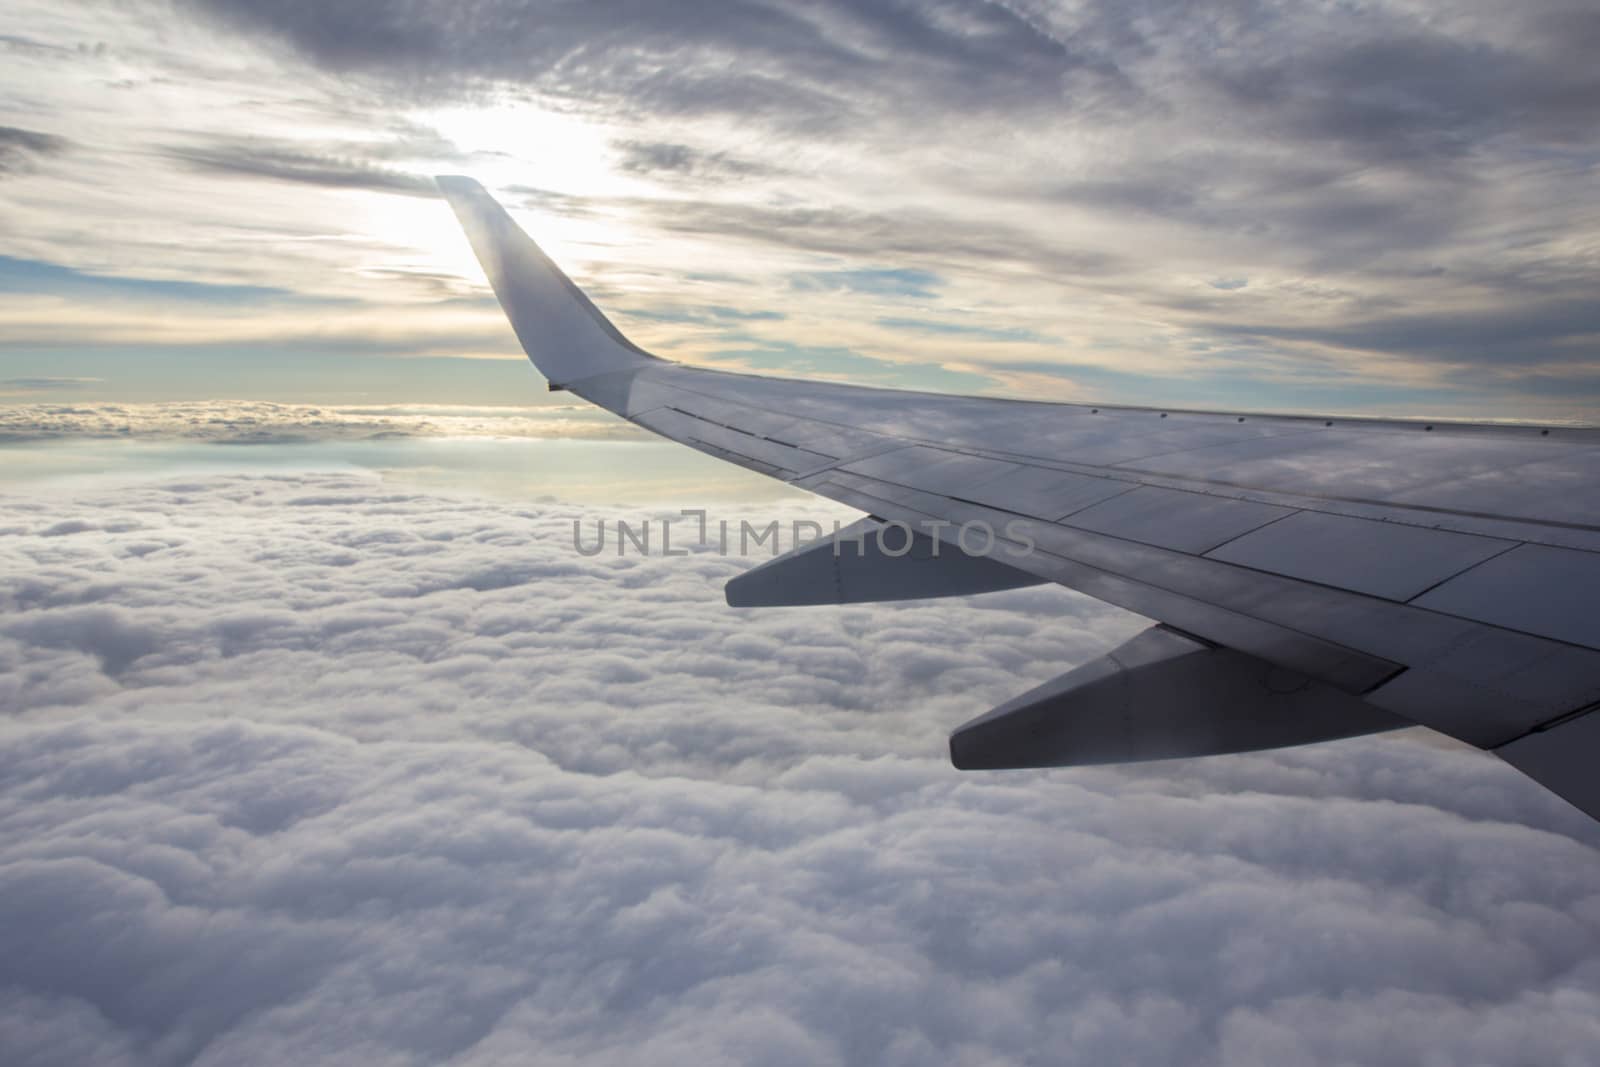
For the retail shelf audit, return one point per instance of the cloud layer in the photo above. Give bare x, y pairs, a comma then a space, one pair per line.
252, 422
315, 768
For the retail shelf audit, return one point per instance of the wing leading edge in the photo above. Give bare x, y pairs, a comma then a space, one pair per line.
1313, 577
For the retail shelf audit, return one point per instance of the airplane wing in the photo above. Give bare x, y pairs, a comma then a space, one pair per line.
1311, 578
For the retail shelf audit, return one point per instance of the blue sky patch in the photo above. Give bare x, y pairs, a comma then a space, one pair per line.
38, 276
904, 281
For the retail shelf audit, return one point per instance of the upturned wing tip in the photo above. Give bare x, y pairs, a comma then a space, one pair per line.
458, 184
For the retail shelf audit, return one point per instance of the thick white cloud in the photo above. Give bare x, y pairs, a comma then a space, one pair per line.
315, 769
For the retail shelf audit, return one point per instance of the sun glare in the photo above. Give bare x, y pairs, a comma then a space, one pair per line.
529, 145
540, 149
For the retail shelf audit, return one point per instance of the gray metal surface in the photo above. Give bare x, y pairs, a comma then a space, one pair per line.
670, 422
1553, 592
1563, 488
1188, 522
1562, 759
1161, 696
1045, 493
870, 561
1386, 560
1368, 465
1441, 572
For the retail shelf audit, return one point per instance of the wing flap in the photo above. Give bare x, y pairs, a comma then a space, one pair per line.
1163, 695
1563, 758
871, 561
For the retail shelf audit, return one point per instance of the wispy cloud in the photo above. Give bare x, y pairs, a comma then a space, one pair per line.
39, 385
680, 161
962, 329
281, 162
19, 148
1089, 179
875, 281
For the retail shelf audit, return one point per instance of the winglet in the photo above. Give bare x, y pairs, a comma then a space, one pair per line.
564, 334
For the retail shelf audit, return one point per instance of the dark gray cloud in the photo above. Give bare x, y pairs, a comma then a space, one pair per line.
868, 236
278, 161
797, 66
680, 162
20, 148
1417, 96
1540, 333
309, 766
1321, 214
1385, 86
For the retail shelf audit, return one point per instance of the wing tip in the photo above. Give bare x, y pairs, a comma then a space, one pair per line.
459, 183
563, 333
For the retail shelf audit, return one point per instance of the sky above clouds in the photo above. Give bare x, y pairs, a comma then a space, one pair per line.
319, 742
1347, 207
316, 767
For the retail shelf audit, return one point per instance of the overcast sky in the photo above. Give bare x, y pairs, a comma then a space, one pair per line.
1380, 206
